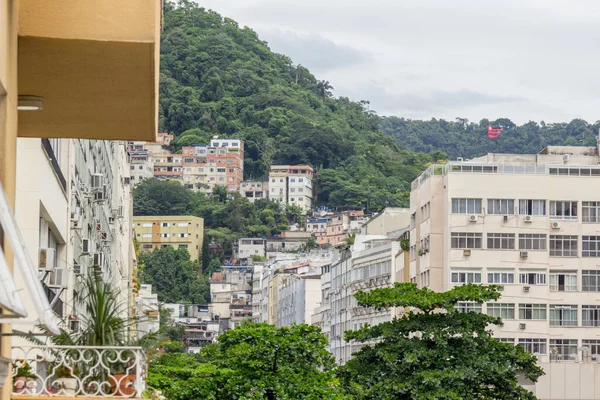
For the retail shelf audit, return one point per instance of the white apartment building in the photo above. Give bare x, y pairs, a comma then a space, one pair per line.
299, 296
291, 184
254, 190
147, 311
527, 222
73, 203
248, 247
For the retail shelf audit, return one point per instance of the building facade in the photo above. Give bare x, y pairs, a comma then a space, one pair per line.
255, 190
292, 184
528, 223
185, 232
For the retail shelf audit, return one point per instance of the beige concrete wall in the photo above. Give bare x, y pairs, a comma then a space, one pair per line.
194, 230
389, 220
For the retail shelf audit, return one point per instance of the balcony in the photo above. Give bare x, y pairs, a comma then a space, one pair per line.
78, 372
94, 63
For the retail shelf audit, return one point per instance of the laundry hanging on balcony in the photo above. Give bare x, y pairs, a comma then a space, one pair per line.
493, 132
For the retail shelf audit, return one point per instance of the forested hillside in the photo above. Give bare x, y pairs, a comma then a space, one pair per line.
461, 138
220, 79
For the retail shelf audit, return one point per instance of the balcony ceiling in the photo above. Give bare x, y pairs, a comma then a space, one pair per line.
95, 63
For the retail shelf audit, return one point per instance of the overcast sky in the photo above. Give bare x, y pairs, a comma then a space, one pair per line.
521, 59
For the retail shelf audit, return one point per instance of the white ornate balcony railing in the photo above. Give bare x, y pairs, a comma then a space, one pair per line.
78, 371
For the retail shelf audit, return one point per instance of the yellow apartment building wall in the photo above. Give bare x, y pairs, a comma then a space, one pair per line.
149, 231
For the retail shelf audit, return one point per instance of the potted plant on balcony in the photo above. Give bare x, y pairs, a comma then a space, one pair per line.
123, 382
24, 380
66, 382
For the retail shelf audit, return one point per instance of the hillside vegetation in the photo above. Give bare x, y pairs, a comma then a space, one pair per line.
461, 138
220, 79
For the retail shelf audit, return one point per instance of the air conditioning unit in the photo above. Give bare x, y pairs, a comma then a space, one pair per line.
566, 158
99, 197
77, 269
459, 159
111, 220
472, 218
126, 180
85, 246
522, 326
98, 259
121, 212
526, 289
75, 214
60, 278
74, 325
555, 225
97, 182
46, 258
76, 223
523, 254
505, 218
528, 218
466, 252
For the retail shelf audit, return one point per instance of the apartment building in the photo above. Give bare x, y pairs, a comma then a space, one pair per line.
255, 190
526, 222
231, 293
287, 241
142, 156
327, 230
59, 58
147, 311
248, 247
292, 184
182, 231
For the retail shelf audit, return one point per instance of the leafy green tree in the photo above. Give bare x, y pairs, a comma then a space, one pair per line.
174, 276
160, 197
434, 351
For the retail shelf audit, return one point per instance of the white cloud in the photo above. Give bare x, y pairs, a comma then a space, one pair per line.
521, 59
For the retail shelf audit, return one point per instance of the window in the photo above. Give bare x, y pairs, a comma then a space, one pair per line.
506, 340
466, 240
466, 206
501, 277
503, 241
532, 311
590, 246
147, 235
563, 349
590, 281
462, 277
532, 207
182, 224
183, 246
501, 206
590, 211
532, 241
300, 179
183, 235
465, 307
532, 278
563, 315
164, 224
147, 224
593, 345
563, 210
501, 310
164, 235
590, 315
147, 246
563, 246
535, 346
563, 281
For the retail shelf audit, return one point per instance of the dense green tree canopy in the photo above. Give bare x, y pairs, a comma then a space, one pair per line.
433, 351
220, 79
174, 276
255, 362
461, 138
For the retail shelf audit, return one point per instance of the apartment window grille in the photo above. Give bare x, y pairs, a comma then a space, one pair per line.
466, 206
506, 340
501, 277
590, 315
466, 240
590, 281
535, 346
563, 281
563, 246
462, 277
532, 241
501, 310
533, 311
563, 315
501, 241
563, 210
466, 307
563, 349
593, 345
590, 211
532, 278
590, 246
501, 206
532, 207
